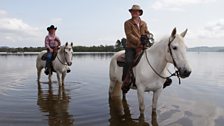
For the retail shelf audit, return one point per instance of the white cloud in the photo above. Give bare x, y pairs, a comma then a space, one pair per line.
13, 30
2, 13
211, 34
176, 4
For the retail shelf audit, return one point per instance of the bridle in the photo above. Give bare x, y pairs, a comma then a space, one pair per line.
176, 73
66, 61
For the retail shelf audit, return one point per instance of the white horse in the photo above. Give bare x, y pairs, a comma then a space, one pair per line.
60, 64
169, 50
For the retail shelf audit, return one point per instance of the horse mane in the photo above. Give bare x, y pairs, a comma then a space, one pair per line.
159, 42
61, 48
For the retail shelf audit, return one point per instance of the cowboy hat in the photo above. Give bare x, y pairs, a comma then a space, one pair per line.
51, 27
136, 7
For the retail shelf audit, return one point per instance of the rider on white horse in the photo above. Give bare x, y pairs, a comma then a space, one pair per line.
136, 33
52, 43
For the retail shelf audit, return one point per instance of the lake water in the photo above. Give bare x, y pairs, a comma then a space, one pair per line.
83, 101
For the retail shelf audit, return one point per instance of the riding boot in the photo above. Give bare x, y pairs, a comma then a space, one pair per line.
167, 82
68, 70
126, 84
47, 68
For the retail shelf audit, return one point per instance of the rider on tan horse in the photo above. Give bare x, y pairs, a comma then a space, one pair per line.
136, 33
52, 43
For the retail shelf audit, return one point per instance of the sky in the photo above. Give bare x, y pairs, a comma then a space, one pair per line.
101, 22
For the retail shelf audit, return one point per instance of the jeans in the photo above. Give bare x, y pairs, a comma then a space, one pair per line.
49, 57
129, 58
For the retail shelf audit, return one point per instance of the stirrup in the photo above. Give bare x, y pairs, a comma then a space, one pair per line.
46, 71
68, 70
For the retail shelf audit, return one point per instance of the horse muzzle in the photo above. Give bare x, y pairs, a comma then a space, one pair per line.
184, 73
69, 63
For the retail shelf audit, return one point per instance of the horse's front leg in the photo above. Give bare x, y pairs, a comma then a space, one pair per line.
156, 95
49, 77
140, 91
63, 77
59, 78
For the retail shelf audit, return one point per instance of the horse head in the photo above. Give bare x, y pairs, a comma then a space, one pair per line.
177, 53
68, 53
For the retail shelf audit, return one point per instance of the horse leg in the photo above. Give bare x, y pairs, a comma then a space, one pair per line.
59, 78
114, 89
49, 77
140, 92
38, 74
156, 95
63, 77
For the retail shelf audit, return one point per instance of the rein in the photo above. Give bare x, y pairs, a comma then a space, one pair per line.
176, 73
65, 59
174, 62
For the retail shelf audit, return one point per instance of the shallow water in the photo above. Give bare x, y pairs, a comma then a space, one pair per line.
83, 101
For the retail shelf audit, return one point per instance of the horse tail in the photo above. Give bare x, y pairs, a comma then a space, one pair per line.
115, 73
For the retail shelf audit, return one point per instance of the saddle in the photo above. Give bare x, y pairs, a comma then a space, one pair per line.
44, 57
121, 58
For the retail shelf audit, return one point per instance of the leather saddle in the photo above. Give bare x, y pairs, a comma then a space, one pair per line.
121, 58
44, 57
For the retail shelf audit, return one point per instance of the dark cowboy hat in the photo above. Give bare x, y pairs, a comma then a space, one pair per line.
136, 7
51, 27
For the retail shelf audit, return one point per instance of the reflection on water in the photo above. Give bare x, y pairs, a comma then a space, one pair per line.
55, 104
120, 114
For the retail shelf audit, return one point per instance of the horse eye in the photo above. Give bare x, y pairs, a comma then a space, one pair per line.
174, 48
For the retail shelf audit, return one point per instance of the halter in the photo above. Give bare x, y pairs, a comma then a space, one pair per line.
65, 59
176, 73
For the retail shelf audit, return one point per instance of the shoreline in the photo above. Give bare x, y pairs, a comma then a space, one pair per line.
36, 53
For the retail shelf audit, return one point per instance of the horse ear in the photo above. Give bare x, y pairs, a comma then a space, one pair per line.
66, 44
71, 43
174, 32
184, 33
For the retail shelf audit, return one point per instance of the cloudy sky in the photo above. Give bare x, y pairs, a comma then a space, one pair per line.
96, 22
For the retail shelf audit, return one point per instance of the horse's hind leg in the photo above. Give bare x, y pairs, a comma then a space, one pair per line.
38, 74
114, 89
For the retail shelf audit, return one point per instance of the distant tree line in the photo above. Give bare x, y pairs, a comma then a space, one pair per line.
119, 45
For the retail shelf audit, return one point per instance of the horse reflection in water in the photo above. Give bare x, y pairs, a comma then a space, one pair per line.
56, 104
121, 115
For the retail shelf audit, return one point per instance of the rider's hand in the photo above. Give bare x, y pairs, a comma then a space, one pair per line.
51, 50
144, 39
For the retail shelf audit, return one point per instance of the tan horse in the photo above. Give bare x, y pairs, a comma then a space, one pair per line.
60, 64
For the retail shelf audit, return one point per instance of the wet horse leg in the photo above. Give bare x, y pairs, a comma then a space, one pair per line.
140, 92
63, 77
59, 78
156, 95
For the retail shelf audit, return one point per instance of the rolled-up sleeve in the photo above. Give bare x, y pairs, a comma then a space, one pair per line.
58, 40
46, 41
146, 30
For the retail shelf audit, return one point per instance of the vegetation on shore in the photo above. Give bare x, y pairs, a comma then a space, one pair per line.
119, 45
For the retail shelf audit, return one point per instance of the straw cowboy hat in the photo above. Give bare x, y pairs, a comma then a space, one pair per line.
136, 7
51, 27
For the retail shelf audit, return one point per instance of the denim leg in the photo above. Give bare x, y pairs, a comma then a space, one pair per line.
49, 56
129, 57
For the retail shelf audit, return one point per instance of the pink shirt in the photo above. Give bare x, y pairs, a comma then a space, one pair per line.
52, 41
